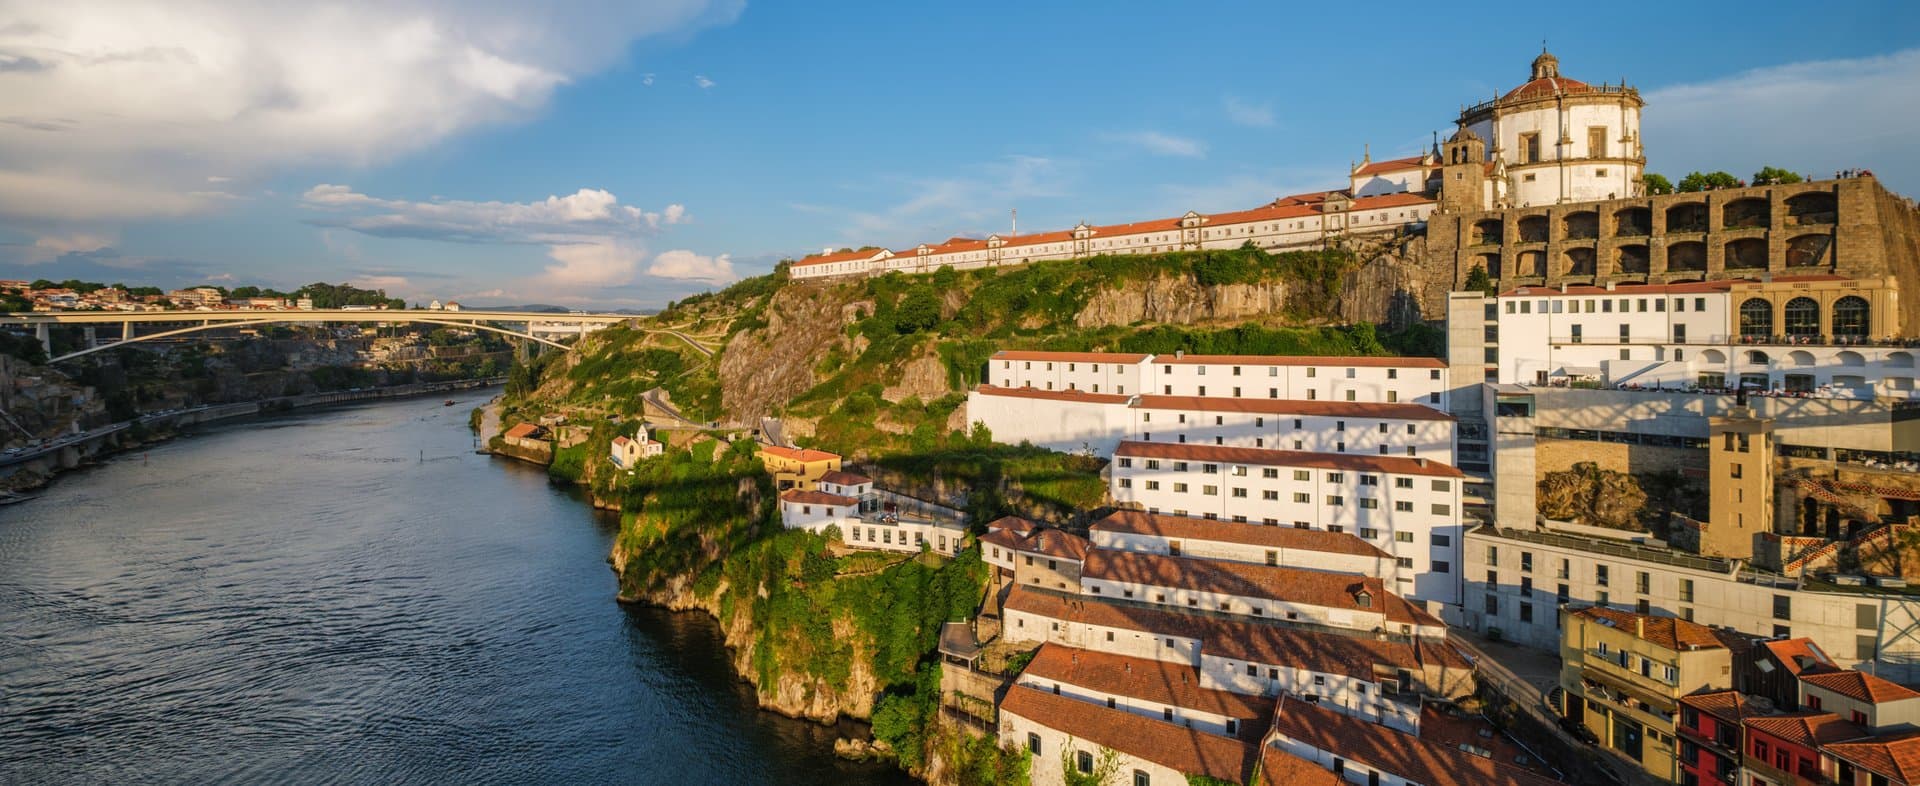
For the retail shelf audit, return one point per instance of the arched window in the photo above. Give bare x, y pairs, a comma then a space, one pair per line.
1756, 318
1801, 317
1850, 317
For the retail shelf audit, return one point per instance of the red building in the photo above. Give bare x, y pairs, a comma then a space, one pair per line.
1785, 749
1711, 737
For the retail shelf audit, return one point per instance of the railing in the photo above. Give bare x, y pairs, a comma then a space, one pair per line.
1591, 89
1721, 339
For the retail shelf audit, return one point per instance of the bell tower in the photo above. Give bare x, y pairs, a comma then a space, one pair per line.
1463, 173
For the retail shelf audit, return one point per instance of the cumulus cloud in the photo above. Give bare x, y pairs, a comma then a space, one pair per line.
1814, 117
1247, 113
686, 265
1160, 144
703, 82
118, 111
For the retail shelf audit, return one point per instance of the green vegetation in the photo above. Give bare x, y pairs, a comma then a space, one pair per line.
983, 761
1695, 181
1099, 771
1479, 281
1656, 183
1773, 175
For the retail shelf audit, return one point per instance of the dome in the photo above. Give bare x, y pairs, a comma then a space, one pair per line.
1465, 134
1546, 66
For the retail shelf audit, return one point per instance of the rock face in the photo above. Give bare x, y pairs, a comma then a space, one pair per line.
1394, 286
1182, 301
761, 369
923, 377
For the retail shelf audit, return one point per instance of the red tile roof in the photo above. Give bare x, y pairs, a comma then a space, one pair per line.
1282, 406
1367, 361
1547, 87
1355, 462
1244, 639
1170, 745
839, 478
807, 455
1062, 236
1797, 655
1054, 543
1806, 729
522, 431
816, 498
1727, 705
1284, 769
1859, 686
1394, 165
1053, 395
1186, 528
1412, 758
843, 256
1013, 523
1272, 582
1391, 200
1070, 357
1671, 633
1138, 227
1895, 756
622, 441
1160, 682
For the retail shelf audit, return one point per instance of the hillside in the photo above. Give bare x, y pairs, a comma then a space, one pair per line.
877, 369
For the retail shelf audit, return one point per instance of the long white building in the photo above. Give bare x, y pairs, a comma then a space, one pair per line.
1386, 380
1408, 507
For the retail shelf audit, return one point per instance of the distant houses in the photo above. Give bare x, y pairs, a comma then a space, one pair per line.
628, 451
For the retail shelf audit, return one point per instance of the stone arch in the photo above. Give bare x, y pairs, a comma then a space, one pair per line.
1713, 356
1756, 318
1491, 264
1800, 357
1899, 360
1748, 253
1687, 217
1488, 230
1632, 260
1578, 261
1851, 358
1852, 317
1748, 213
1688, 256
1809, 250
1531, 263
1633, 222
1800, 317
1581, 225
1533, 229
1756, 357
1813, 207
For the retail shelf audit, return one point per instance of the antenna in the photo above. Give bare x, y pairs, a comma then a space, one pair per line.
1016, 223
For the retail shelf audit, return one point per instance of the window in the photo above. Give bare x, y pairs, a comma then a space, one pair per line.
1083, 760
1368, 533
1140, 777
1600, 575
1179, 488
1442, 566
1442, 510
1126, 463
1033, 743
1444, 541
1211, 491
1641, 581
1403, 537
1240, 493
1302, 497
1270, 473
1369, 503
1403, 483
1783, 607
1302, 475
1336, 500
1403, 506
1270, 494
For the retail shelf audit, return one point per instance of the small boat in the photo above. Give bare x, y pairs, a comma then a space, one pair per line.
449, 403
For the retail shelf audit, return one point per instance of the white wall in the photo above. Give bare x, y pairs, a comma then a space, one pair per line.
1068, 426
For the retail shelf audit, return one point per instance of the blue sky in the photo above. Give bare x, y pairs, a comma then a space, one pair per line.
623, 154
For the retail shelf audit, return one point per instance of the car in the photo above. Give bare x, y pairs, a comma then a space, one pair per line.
12, 451
1578, 731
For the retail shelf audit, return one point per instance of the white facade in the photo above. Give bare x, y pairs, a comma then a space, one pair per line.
1528, 577
1054, 748
1091, 372
1410, 508
1250, 543
1065, 421
1562, 140
815, 511
1406, 430
1304, 378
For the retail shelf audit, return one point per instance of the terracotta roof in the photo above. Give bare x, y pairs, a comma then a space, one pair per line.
1053, 395
1302, 360
1391, 200
1054, 543
1796, 655
621, 441
816, 498
1138, 227
1285, 769
1727, 705
1859, 686
1394, 165
1402, 754
839, 478
522, 431
1243, 639
843, 256
1070, 357
1262, 213
1004, 538
1282, 406
1355, 462
1157, 681
1895, 756
1170, 745
807, 455
1014, 523
1273, 582
1187, 528
1806, 729
1062, 236
1671, 633
1547, 87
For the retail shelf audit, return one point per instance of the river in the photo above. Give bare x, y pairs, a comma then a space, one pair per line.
354, 596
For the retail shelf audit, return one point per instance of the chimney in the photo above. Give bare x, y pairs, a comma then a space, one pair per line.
1564, 286
1640, 625
1610, 285
1422, 461
1179, 353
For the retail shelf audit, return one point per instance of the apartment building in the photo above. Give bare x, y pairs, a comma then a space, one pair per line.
1408, 507
1624, 674
1359, 752
1339, 552
1410, 380
1341, 601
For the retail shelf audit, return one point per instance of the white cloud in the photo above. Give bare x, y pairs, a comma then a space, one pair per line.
646, 81
1160, 144
1247, 113
703, 82
71, 243
683, 264
1813, 117
603, 262
117, 111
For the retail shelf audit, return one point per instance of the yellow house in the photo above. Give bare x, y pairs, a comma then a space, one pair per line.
1624, 674
797, 468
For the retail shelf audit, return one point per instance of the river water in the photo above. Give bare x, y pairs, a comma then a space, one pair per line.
354, 596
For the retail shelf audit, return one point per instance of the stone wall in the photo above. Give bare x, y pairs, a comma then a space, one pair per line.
1559, 455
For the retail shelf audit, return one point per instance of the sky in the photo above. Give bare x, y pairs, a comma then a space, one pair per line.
626, 153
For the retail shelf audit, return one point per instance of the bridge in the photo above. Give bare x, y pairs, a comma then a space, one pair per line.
538, 326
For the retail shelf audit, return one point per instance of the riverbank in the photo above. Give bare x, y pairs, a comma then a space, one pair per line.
35, 470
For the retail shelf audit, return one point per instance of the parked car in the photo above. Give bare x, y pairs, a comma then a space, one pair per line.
1579, 731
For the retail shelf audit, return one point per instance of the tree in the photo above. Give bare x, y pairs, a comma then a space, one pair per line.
1479, 281
1695, 181
1101, 769
1775, 176
1656, 183
919, 310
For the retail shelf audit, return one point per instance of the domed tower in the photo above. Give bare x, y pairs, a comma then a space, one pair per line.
1560, 139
